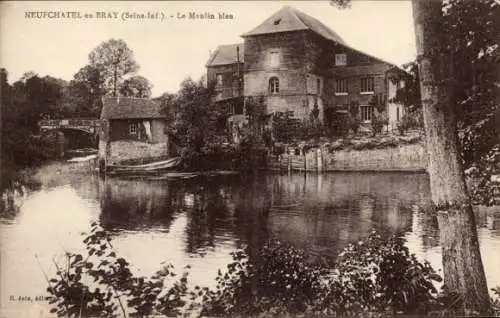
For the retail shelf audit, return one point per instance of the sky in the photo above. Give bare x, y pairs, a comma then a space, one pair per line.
171, 50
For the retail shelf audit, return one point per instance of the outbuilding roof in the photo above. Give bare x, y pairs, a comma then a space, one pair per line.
130, 108
227, 54
290, 19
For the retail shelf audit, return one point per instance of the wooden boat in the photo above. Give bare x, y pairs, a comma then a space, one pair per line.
149, 168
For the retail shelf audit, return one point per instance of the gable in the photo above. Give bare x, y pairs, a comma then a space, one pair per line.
289, 19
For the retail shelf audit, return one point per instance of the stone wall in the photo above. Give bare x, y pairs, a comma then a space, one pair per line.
126, 150
411, 157
402, 158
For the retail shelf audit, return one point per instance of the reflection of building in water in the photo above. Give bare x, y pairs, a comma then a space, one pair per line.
319, 213
324, 214
135, 204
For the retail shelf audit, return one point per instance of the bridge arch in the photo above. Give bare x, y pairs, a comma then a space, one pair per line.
74, 138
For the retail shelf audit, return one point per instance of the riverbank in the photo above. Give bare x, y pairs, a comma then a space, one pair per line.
381, 153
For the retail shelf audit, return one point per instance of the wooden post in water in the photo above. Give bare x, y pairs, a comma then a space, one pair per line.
319, 158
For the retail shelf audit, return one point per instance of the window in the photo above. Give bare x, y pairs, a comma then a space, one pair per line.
274, 59
274, 85
132, 128
341, 87
218, 78
340, 59
397, 113
318, 86
276, 22
367, 85
366, 113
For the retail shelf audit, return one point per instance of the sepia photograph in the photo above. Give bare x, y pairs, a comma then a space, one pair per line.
326, 158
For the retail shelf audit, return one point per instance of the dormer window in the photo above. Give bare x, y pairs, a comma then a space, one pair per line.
340, 59
277, 21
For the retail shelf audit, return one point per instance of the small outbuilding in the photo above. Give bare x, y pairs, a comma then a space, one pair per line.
131, 129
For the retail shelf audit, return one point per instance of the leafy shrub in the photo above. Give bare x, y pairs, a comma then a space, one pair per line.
410, 120
374, 276
379, 119
100, 284
354, 117
379, 275
278, 280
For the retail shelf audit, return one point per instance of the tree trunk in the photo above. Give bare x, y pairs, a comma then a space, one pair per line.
115, 79
462, 264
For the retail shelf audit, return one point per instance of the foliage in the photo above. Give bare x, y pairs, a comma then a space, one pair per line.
197, 126
409, 94
84, 93
410, 120
483, 189
100, 284
379, 120
284, 128
472, 29
115, 60
278, 280
373, 276
354, 116
136, 86
377, 275
495, 302
472, 35
379, 116
22, 106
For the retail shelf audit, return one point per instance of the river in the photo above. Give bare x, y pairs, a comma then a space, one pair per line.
200, 221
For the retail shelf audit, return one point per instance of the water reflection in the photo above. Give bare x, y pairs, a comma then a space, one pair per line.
199, 222
321, 213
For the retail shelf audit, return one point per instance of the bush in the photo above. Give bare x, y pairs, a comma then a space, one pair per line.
379, 119
100, 284
410, 120
374, 276
278, 280
378, 275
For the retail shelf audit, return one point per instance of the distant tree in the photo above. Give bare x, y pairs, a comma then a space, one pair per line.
27, 75
197, 126
136, 86
22, 106
409, 94
82, 96
115, 60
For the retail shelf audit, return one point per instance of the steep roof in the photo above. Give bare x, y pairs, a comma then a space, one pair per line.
290, 19
130, 107
226, 54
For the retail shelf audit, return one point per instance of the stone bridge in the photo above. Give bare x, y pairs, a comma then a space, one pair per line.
68, 134
90, 126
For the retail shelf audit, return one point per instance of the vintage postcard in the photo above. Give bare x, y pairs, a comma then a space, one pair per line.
249, 158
